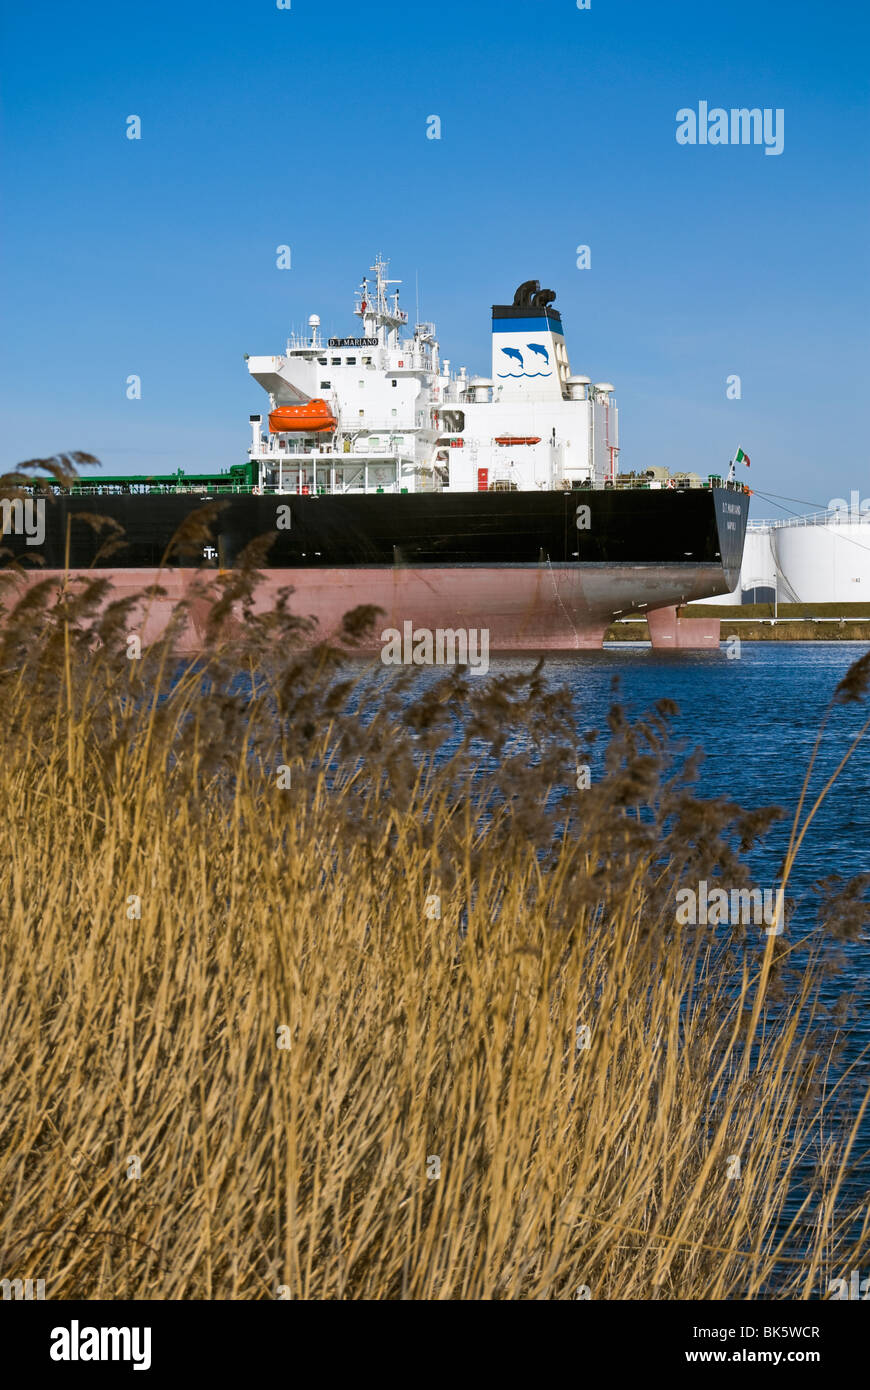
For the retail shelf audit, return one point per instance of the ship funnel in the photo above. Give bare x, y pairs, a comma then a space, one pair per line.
529, 359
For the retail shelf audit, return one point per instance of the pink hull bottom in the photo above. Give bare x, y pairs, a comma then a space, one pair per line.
524, 608
666, 630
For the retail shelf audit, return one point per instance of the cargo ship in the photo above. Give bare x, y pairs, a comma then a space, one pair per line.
449, 501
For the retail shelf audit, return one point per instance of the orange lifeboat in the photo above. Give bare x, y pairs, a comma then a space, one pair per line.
314, 417
517, 439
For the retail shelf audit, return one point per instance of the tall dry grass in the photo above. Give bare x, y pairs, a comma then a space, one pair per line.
339, 1025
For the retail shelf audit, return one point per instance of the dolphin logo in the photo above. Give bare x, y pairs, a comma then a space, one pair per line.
513, 352
541, 351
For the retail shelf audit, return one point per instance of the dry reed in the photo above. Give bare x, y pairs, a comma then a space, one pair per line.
339, 1026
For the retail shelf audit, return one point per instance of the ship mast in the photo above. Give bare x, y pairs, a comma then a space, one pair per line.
379, 310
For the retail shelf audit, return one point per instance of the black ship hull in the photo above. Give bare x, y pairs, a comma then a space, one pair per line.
539, 570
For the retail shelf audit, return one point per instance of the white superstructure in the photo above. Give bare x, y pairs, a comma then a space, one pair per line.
402, 420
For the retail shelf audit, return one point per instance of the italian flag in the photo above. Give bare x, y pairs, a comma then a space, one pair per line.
740, 457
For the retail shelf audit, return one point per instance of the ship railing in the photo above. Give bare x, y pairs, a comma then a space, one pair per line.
833, 516
290, 451
162, 489
329, 451
624, 482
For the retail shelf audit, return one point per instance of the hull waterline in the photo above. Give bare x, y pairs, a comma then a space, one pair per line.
550, 608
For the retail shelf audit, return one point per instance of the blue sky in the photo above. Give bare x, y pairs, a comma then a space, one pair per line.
307, 127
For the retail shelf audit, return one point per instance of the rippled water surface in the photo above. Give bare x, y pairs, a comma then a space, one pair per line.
756, 717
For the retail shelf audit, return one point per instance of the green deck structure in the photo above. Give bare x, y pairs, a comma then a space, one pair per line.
241, 477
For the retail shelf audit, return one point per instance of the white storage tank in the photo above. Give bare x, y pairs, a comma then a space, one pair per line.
757, 575
823, 561
816, 559
758, 578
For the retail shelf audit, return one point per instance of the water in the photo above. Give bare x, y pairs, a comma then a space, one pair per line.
756, 717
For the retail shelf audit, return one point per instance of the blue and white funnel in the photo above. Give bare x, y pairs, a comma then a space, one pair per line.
529, 358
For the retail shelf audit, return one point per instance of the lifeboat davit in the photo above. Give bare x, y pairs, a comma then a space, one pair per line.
517, 439
314, 417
